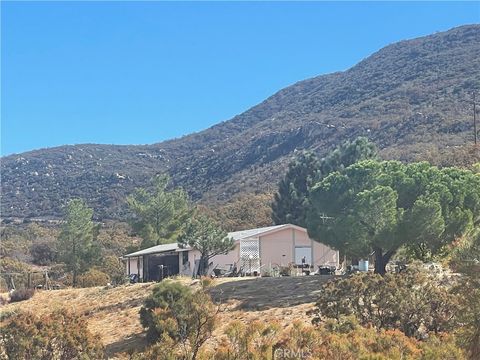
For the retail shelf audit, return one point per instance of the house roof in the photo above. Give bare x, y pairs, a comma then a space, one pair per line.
236, 235
242, 234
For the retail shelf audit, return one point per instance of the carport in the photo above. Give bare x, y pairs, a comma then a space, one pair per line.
154, 263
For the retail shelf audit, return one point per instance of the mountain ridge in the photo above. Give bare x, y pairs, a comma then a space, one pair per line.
412, 98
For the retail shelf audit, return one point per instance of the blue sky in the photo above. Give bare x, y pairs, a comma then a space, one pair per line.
139, 73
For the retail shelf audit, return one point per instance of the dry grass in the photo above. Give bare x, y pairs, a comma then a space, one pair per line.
112, 313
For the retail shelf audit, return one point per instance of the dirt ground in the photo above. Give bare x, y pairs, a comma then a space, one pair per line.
112, 313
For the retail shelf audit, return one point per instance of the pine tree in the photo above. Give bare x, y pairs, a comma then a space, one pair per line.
159, 215
347, 154
291, 200
77, 244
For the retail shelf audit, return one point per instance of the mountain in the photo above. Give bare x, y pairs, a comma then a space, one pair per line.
412, 98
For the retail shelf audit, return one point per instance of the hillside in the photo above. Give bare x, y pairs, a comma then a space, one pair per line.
412, 98
113, 313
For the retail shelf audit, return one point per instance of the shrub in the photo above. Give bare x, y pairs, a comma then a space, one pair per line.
3, 300
42, 253
114, 268
442, 347
466, 261
206, 282
409, 301
19, 268
21, 295
165, 349
59, 335
286, 270
175, 312
266, 340
253, 341
92, 277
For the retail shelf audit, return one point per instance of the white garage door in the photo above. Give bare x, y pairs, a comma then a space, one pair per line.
301, 252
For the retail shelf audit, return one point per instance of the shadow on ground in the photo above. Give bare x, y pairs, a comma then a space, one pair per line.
265, 293
134, 343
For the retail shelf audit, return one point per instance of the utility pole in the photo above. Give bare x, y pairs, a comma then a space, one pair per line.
475, 135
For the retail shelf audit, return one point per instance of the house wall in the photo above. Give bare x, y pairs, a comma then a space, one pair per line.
224, 261
219, 261
276, 248
324, 255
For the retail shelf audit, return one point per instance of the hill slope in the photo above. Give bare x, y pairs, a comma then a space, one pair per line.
412, 98
112, 314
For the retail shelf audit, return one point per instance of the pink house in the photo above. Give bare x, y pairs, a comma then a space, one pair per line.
256, 250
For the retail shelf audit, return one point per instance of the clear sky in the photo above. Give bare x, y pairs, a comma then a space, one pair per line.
142, 72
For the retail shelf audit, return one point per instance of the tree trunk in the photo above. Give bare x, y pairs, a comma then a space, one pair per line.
381, 260
203, 266
379, 263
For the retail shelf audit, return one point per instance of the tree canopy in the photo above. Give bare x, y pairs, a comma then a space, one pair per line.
77, 244
292, 198
205, 235
159, 214
376, 207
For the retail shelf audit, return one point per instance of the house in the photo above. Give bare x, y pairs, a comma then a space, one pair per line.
255, 250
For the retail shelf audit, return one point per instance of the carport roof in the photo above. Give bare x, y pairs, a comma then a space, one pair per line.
156, 249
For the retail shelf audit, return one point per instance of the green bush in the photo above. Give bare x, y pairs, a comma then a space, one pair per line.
175, 313
59, 335
411, 301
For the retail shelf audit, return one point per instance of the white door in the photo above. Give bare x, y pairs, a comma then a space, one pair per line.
303, 252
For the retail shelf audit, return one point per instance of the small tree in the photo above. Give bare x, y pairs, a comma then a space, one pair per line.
159, 214
205, 235
77, 244
175, 314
